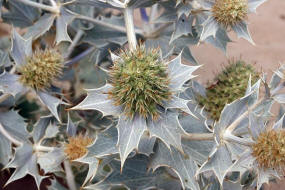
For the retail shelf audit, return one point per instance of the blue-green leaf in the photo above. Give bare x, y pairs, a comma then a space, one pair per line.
130, 133
9, 84
183, 166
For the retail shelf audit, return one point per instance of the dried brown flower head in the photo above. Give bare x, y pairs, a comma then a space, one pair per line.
77, 146
269, 149
230, 12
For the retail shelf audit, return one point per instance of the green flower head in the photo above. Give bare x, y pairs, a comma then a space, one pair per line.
140, 82
229, 85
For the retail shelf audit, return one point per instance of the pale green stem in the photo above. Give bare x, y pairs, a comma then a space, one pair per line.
198, 136
52, 9
69, 175
234, 124
105, 24
129, 22
4, 97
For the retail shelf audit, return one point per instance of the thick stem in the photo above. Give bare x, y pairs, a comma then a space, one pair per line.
105, 24
75, 41
242, 116
40, 148
55, 10
198, 136
69, 175
9, 137
4, 97
129, 22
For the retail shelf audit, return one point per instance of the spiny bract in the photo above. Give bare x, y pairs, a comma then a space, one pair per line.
77, 146
230, 85
230, 12
41, 68
269, 149
140, 82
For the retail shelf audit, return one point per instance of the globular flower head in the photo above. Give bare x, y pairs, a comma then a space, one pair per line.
230, 12
269, 149
140, 82
77, 146
229, 85
41, 68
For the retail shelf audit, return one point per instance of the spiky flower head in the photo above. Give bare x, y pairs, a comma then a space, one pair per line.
229, 85
140, 82
269, 149
230, 12
41, 68
77, 146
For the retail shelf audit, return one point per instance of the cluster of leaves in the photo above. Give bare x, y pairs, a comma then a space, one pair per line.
141, 125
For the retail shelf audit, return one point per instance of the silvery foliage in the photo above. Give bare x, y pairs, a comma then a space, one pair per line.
183, 149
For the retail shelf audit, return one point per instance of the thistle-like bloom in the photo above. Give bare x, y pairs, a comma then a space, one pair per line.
143, 93
267, 153
35, 72
41, 68
77, 146
140, 83
229, 14
229, 85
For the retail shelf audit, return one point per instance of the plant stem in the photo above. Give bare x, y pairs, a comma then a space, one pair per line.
9, 137
75, 40
69, 175
198, 136
242, 116
4, 97
43, 148
105, 24
41, 6
129, 22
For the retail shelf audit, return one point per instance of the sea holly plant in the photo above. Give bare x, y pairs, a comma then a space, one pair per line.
91, 99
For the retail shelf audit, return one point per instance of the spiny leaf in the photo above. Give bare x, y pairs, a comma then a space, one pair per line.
179, 73
51, 102
183, 26
135, 176
40, 27
168, 129
219, 162
51, 161
183, 166
41, 127
62, 22
105, 143
130, 133
19, 14
25, 162
9, 84
71, 128
15, 125
21, 48
242, 31
146, 145
210, 28
93, 164
97, 99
